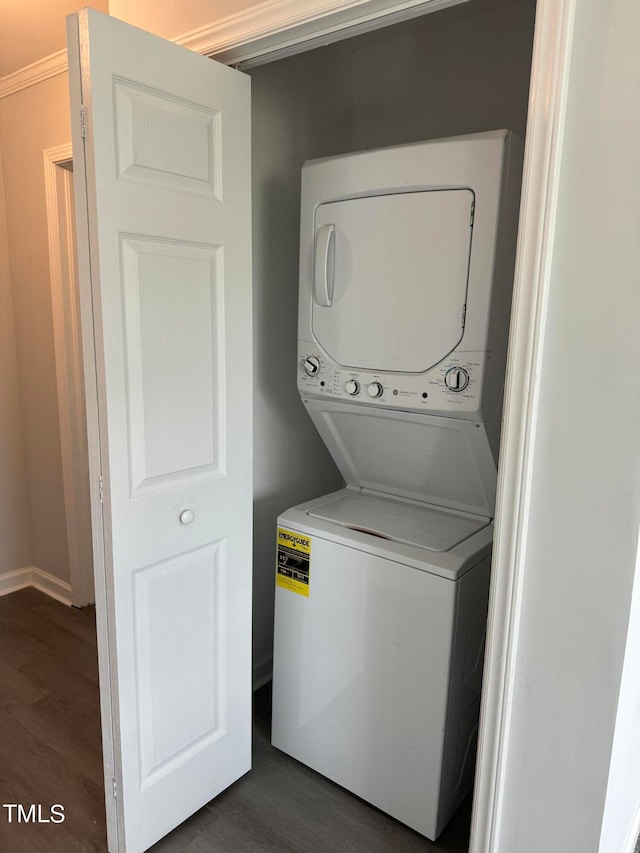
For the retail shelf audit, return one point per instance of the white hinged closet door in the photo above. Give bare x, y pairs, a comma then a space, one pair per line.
164, 229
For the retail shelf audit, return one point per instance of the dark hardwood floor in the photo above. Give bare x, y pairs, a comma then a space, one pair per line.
50, 749
50, 753
283, 807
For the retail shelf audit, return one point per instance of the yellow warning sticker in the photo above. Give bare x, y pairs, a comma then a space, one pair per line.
294, 558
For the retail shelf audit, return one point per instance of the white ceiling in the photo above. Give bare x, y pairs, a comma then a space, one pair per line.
33, 29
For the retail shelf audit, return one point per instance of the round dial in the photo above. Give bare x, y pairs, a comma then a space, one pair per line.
456, 379
375, 389
311, 365
352, 387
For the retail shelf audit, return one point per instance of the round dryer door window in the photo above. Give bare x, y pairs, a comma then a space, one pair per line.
396, 271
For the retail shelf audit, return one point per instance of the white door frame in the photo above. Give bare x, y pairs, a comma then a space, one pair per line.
58, 181
540, 187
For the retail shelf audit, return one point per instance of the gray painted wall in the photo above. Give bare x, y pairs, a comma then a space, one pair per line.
300, 110
31, 121
462, 70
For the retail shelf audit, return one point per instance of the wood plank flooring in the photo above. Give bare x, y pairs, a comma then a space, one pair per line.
283, 807
50, 749
50, 752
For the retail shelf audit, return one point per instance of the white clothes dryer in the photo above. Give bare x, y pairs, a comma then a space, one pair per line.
406, 263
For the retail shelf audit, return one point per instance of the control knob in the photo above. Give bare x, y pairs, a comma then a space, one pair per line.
375, 389
456, 379
352, 387
311, 365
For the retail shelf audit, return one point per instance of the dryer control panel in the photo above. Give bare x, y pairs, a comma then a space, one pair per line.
451, 388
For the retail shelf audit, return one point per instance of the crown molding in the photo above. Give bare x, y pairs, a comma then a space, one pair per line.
265, 31
277, 28
50, 66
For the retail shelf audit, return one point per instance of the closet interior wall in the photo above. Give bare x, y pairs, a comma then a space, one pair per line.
461, 70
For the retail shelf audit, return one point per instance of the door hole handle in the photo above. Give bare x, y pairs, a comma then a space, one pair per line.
324, 261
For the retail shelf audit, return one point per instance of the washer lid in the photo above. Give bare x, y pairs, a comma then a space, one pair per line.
446, 462
390, 278
432, 528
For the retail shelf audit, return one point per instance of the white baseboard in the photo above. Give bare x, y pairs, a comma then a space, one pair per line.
38, 579
49, 584
262, 670
13, 581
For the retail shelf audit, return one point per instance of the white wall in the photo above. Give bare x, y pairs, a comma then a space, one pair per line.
35, 29
15, 548
580, 553
32, 514
31, 121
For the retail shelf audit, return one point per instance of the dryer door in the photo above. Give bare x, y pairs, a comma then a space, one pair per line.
390, 278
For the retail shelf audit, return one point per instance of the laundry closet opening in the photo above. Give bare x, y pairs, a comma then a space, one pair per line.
460, 70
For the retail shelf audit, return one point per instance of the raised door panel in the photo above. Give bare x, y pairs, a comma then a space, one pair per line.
175, 366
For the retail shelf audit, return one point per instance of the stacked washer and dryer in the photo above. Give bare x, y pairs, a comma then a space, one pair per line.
406, 268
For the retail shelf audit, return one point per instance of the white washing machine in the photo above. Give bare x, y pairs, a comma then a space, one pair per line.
406, 267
